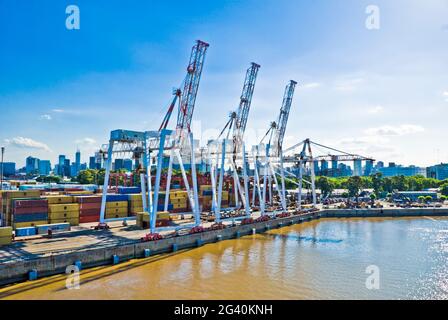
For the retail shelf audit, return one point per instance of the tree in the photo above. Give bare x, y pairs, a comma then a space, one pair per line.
377, 182
325, 185
87, 176
354, 186
444, 189
373, 198
400, 183
421, 199
428, 198
49, 179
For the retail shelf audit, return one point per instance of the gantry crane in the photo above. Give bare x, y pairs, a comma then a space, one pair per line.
274, 153
164, 139
235, 126
305, 156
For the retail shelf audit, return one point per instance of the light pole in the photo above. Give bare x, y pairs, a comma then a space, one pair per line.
1, 169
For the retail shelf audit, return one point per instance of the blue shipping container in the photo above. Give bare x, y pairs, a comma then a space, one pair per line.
129, 190
43, 229
116, 197
23, 232
30, 217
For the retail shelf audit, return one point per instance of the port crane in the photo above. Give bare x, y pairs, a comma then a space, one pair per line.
179, 142
230, 146
273, 154
305, 158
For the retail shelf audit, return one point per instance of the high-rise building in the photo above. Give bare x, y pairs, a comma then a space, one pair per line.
9, 169
357, 167
77, 162
316, 167
61, 165
334, 163
44, 167
344, 170
32, 165
397, 170
323, 166
67, 171
369, 168
92, 163
439, 171
99, 160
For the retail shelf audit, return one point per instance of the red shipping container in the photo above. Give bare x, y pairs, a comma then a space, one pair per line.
89, 212
90, 199
88, 219
27, 210
89, 206
30, 203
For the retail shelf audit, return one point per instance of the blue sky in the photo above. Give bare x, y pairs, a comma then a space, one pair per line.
382, 93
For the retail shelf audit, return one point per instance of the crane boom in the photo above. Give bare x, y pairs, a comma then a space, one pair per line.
280, 126
190, 86
244, 106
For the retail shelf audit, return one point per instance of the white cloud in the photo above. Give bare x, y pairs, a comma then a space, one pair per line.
364, 140
45, 117
376, 110
311, 85
58, 110
27, 143
400, 130
445, 93
348, 84
86, 141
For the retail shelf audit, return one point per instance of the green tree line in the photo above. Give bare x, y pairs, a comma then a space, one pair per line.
380, 184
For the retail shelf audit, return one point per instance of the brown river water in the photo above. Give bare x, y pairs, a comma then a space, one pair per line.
324, 259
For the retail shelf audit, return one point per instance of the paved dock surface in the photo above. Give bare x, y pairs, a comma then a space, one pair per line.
80, 238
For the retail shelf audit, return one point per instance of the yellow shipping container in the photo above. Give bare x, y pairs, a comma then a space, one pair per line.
116, 215
5, 232
135, 197
63, 207
81, 192
163, 215
135, 204
4, 241
116, 204
143, 216
72, 221
60, 199
179, 205
117, 210
22, 194
63, 215
178, 194
29, 224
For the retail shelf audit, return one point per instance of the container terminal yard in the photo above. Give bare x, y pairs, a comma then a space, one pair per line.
45, 228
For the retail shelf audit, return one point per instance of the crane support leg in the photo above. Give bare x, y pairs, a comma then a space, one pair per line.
106, 182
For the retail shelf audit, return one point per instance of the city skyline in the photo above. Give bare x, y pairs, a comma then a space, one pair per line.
380, 93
